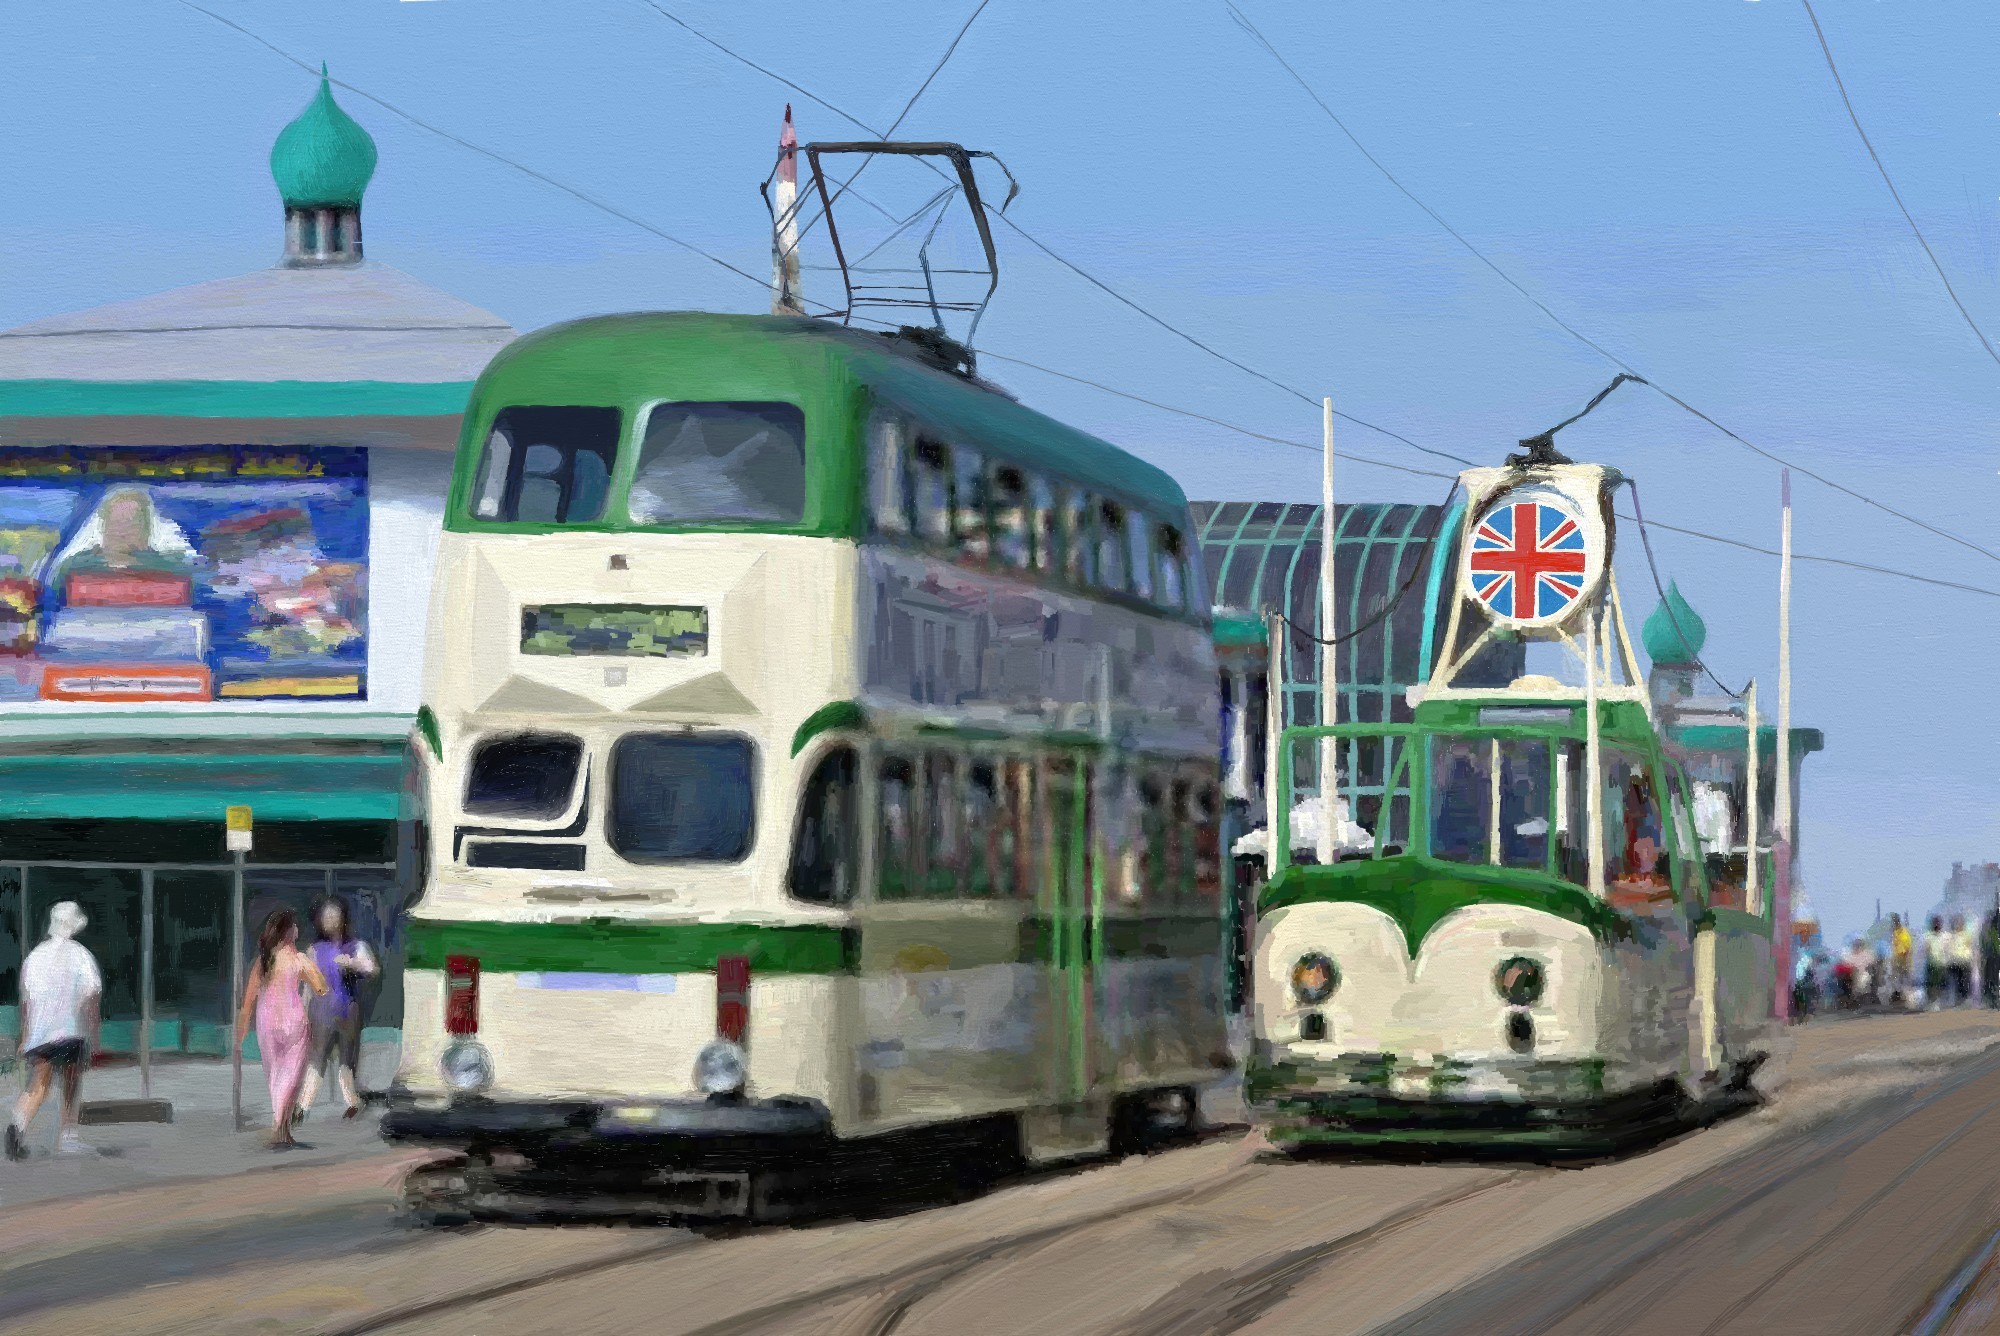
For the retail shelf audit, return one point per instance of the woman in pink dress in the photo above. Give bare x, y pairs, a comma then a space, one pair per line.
273, 993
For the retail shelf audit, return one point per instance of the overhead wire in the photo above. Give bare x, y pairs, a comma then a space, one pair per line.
1047, 250
1667, 604
1882, 169
1250, 433
1256, 35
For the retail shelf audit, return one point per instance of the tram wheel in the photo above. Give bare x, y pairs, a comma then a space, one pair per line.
437, 1196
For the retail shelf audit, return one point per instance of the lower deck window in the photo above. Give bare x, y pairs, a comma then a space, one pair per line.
525, 777
682, 798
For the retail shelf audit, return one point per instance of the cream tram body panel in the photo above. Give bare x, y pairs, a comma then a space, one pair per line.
793, 624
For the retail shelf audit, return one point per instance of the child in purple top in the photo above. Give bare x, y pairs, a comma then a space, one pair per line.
335, 1019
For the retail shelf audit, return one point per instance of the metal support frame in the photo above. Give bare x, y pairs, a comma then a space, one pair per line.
146, 983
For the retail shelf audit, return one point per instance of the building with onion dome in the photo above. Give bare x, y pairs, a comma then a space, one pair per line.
198, 493
1706, 731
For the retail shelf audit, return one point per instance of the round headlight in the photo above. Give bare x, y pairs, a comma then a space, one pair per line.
1520, 981
721, 1068
1314, 978
467, 1066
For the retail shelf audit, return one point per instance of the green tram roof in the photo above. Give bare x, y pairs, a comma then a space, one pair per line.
635, 359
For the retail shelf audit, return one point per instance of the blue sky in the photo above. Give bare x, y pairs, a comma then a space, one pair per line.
1679, 181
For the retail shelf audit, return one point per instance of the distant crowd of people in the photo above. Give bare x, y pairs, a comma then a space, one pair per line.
306, 1006
1952, 966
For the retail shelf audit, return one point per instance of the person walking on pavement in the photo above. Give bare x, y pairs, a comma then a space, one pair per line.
1902, 961
1936, 948
273, 993
333, 1027
1963, 952
60, 993
1989, 959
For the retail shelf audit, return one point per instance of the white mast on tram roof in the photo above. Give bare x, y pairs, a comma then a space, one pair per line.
785, 296
1329, 657
1781, 844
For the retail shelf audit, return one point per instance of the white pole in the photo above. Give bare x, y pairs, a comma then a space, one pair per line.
1593, 767
1753, 899
785, 298
1329, 654
1274, 727
1781, 844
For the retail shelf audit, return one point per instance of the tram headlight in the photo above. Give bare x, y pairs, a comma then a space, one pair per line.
1314, 978
721, 1068
1520, 981
467, 1066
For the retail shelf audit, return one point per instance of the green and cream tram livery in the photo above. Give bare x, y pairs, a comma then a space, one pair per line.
1525, 954
820, 752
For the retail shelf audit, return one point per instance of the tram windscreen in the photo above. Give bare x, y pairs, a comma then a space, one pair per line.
528, 777
706, 462
678, 798
1465, 828
547, 466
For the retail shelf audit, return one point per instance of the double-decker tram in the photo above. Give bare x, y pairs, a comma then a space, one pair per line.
820, 760
1528, 955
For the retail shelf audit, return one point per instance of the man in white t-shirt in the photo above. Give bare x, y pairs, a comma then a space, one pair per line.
60, 987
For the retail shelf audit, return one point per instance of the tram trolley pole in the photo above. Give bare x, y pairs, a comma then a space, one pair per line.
236, 823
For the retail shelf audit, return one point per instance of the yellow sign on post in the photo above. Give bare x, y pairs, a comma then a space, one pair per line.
236, 827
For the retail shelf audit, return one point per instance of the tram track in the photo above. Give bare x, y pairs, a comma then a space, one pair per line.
1549, 1289
903, 1280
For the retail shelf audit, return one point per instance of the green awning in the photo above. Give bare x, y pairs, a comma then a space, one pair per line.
1729, 737
156, 787
231, 398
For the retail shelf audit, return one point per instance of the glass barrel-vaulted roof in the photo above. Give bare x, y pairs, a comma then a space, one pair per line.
1265, 555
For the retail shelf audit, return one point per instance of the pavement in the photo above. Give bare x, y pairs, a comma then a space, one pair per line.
199, 1142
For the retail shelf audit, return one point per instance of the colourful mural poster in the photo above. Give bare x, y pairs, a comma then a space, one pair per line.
183, 573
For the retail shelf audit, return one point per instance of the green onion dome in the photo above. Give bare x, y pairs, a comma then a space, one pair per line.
323, 159
1675, 633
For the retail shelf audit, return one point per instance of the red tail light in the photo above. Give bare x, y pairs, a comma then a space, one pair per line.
461, 995
732, 998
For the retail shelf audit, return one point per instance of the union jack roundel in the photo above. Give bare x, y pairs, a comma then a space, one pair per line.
1526, 562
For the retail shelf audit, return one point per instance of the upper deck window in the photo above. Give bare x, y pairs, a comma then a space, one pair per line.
677, 797
547, 465
702, 462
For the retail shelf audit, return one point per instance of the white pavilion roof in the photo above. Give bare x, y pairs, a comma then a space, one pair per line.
364, 322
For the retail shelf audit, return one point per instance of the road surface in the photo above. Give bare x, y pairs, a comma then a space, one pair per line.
1864, 1200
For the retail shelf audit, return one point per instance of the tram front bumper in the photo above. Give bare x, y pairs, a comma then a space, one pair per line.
1362, 1100
546, 1127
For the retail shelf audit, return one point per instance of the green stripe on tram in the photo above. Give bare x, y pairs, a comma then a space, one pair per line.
1419, 893
623, 947
619, 947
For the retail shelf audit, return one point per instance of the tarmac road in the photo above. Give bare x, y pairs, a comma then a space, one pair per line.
1863, 1201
